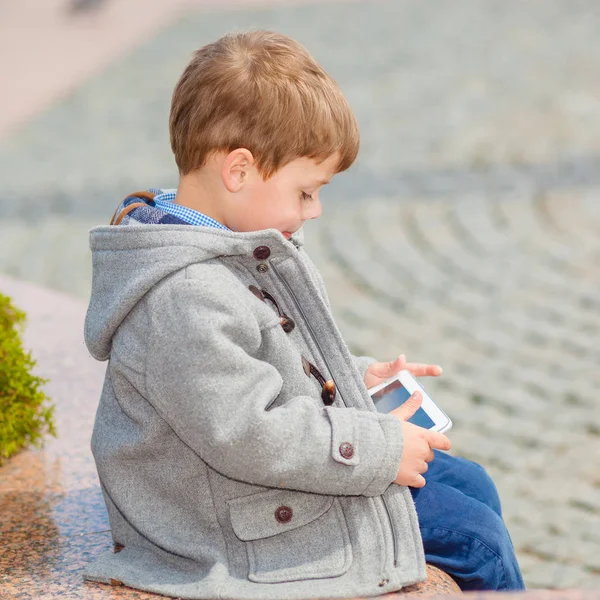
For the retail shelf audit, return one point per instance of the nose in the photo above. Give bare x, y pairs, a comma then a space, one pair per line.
313, 209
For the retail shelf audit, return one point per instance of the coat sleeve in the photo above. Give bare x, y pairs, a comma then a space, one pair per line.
204, 378
362, 363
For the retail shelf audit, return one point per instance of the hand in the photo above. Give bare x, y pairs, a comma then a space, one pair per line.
418, 445
380, 371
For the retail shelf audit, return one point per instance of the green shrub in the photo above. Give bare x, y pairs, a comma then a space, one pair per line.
25, 411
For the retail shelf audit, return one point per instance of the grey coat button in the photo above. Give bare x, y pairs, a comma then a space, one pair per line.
262, 253
284, 514
347, 450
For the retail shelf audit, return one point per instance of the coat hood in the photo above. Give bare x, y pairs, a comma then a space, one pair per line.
130, 259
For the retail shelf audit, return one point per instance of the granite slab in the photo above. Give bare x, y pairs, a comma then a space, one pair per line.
52, 516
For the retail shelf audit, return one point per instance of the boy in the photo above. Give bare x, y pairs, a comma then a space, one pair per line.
239, 452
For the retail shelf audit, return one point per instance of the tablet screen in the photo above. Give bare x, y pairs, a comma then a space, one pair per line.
395, 395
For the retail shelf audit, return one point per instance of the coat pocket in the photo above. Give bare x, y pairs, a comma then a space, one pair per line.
290, 536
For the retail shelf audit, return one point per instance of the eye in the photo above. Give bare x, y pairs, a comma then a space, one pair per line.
306, 196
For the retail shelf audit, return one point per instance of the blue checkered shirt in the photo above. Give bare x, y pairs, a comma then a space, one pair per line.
165, 201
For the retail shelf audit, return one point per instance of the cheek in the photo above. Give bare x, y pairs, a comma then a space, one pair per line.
274, 207
259, 213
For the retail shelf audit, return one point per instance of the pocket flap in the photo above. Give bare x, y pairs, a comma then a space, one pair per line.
268, 513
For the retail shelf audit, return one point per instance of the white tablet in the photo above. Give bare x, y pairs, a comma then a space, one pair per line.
398, 389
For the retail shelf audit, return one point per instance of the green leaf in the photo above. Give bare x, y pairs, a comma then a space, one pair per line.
26, 413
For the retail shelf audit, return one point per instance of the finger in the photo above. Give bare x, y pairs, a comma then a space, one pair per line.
419, 482
410, 407
387, 369
438, 440
424, 467
424, 370
430, 456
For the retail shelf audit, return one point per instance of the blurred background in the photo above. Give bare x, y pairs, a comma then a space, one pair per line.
467, 234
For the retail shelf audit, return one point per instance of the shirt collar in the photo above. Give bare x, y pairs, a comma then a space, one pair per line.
165, 201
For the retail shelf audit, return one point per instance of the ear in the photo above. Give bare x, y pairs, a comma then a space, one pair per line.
236, 168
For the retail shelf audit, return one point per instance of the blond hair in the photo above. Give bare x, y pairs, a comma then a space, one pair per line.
262, 91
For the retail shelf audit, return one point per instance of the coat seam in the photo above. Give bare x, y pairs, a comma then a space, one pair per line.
212, 499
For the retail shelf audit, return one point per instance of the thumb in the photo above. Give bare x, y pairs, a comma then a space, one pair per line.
409, 408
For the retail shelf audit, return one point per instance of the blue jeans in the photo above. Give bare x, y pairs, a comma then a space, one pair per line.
462, 528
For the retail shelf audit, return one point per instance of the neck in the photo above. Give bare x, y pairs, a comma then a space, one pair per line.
197, 191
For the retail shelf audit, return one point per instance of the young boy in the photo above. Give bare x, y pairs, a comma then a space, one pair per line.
239, 452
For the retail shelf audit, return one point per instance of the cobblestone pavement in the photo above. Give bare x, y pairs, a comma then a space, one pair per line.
466, 235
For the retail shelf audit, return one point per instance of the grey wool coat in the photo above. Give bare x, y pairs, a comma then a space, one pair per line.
224, 472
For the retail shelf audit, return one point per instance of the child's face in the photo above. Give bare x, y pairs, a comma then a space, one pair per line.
284, 201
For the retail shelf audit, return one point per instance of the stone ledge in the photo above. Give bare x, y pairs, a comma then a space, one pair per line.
54, 521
